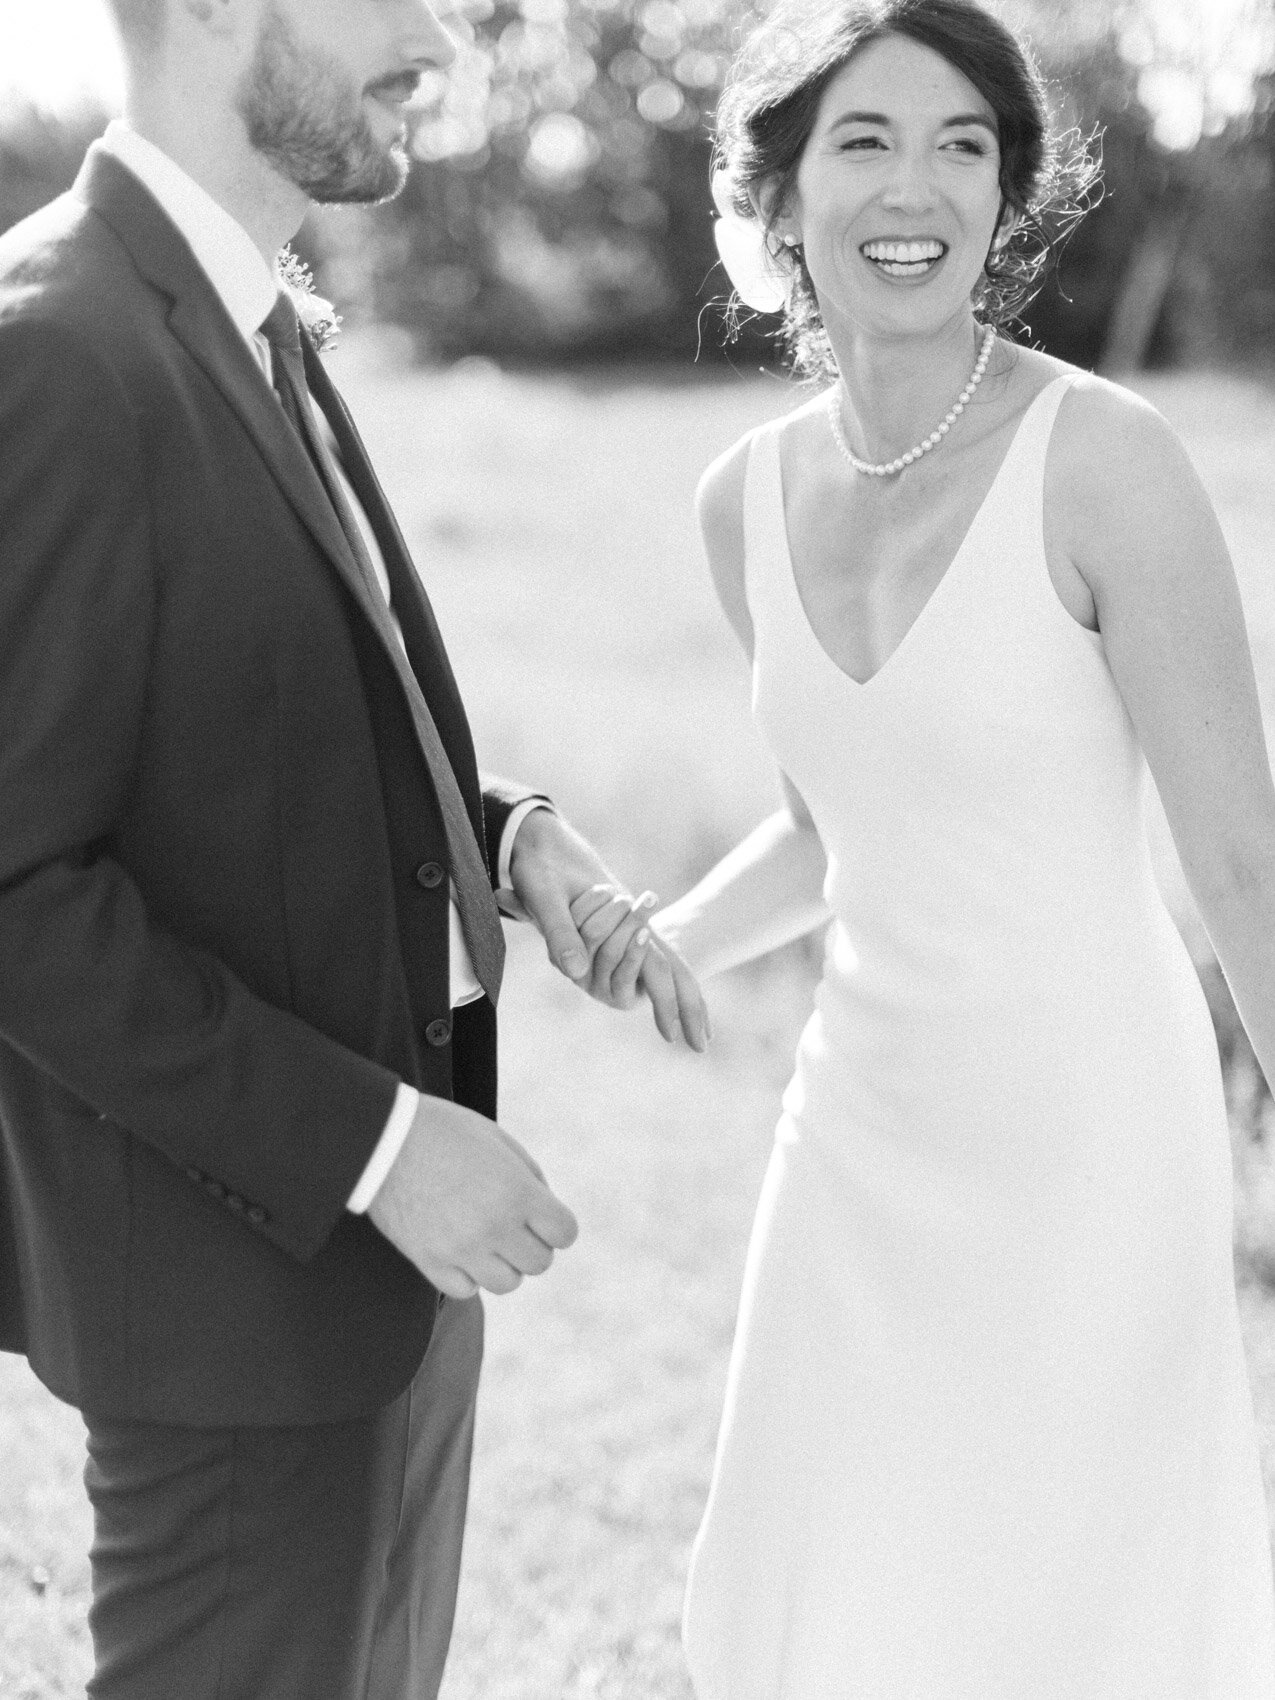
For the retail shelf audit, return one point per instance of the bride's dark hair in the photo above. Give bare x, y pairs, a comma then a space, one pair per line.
1048, 178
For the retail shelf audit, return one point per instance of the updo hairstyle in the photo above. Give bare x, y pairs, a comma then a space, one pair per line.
767, 112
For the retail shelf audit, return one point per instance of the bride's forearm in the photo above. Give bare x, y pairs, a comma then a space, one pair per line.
767, 892
1239, 917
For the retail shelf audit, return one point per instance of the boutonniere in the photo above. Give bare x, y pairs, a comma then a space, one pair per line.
318, 316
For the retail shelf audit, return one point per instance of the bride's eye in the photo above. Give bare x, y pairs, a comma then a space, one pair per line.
862, 143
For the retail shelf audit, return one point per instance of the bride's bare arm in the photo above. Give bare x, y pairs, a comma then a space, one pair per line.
1139, 528
769, 889
766, 892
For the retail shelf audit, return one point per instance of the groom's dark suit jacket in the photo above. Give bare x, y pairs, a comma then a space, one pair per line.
223, 873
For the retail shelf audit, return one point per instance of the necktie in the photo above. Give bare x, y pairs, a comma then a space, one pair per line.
479, 916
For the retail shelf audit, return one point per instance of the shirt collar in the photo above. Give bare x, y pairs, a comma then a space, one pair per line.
234, 266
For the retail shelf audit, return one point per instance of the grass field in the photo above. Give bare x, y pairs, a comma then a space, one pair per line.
552, 521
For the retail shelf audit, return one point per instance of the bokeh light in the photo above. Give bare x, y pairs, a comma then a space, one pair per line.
61, 55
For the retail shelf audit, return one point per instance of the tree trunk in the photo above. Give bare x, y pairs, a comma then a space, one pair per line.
1143, 290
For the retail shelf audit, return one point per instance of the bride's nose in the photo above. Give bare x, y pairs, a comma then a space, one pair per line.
910, 187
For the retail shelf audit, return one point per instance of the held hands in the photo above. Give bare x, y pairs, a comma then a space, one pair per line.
468, 1206
463, 1201
596, 933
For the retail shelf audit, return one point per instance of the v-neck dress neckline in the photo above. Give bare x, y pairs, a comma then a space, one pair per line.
1039, 402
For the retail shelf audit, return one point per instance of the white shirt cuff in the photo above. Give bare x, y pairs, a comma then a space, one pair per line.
406, 1102
504, 878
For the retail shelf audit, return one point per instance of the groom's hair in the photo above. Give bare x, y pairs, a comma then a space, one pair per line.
140, 23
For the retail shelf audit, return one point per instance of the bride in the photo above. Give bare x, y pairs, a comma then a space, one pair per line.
987, 1433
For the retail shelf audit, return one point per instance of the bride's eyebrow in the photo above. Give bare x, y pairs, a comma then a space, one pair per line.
966, 118
860, 118
961, 121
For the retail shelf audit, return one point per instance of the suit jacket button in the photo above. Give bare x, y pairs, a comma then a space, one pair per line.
256, 1215
438, 1032
214, 1188
235, 1203
430, 875
194, 1174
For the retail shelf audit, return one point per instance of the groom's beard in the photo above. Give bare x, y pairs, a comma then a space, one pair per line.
305, 115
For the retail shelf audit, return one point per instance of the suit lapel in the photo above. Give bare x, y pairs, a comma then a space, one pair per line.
199, 321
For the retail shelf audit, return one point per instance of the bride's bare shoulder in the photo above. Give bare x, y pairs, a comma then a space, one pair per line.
1108, 438
719, 500
719, 507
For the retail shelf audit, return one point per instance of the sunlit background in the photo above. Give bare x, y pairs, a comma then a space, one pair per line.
560, 211
59, 54
557, 225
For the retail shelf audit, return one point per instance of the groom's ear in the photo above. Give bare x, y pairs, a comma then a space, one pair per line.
222, 18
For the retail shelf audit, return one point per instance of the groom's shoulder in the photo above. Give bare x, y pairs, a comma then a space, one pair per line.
69, 329
67, 285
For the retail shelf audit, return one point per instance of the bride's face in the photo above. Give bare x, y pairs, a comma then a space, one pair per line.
897, 195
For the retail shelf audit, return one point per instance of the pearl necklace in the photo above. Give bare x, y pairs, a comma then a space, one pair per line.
888, 468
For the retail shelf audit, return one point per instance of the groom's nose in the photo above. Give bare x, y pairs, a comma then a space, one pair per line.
424, 40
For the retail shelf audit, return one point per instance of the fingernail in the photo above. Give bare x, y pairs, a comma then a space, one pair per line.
574, 964
644, 937
648, 900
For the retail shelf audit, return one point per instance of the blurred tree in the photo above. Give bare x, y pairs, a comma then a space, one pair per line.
561, 208
562, 205
1181, 91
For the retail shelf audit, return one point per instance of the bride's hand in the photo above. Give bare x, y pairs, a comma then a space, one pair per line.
614, 926
668, 982
597, 934
628, 959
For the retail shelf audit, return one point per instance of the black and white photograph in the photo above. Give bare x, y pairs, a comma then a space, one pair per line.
637, 849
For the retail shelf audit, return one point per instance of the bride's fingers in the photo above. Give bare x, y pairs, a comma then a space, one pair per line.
619, 956
598, 927
624, 977
692, 1008
589, 902
675, 997
656, 980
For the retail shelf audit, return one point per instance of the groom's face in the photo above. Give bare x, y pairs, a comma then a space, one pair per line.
323, 96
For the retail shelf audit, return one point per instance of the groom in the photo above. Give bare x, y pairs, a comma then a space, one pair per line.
249, 946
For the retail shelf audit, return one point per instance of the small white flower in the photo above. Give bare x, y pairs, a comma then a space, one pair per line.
318, 316
760, 280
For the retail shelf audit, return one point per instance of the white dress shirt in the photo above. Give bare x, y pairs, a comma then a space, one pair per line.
248, 289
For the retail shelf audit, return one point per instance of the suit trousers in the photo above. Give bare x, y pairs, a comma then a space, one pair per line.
308, 1563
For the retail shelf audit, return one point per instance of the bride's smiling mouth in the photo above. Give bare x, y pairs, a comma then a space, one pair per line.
916, 257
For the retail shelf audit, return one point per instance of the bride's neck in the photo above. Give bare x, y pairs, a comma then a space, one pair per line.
897, 389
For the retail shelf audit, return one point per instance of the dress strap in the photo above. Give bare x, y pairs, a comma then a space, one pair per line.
1020, 484
765, 544
1038, 422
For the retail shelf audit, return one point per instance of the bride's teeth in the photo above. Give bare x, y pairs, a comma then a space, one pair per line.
903, 253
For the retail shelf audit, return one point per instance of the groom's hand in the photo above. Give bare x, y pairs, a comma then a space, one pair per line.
596, 933
467, 1205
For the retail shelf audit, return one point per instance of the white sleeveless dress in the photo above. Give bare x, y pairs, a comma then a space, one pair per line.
988, 1433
